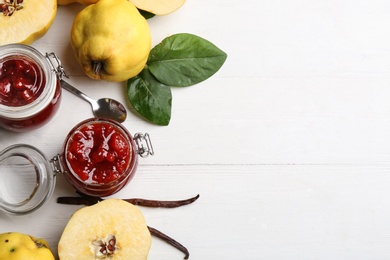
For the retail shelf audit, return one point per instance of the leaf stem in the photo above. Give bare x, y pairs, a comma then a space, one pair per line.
96, 66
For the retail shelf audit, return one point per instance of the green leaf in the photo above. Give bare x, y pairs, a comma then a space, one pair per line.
150, 98
184, 60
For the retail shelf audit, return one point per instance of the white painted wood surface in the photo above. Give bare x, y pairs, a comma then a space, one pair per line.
288, 144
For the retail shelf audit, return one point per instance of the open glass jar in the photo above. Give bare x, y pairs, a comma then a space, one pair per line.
30, 90
99, 157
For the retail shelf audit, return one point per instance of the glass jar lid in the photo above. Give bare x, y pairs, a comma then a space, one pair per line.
26, 179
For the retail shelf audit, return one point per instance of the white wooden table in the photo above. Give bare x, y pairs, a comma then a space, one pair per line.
288, 144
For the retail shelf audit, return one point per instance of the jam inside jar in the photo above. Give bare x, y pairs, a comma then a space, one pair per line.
21, 81
30, 91
99, 157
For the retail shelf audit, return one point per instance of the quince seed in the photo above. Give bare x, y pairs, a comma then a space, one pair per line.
8, 7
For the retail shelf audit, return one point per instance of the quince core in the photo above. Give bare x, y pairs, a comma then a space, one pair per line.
25, 21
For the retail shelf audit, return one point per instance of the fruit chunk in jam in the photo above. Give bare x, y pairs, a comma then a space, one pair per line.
98, 153
21, 81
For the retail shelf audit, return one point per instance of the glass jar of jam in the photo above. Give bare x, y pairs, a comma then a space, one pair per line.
30, 90
98, 158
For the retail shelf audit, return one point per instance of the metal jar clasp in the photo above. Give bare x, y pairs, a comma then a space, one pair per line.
56, 165
55, 63
144, 144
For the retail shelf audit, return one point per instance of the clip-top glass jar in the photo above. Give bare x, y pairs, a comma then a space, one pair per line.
30, 91
99, 157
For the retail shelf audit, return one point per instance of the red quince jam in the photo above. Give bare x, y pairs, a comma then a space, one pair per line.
98, 153
21, 81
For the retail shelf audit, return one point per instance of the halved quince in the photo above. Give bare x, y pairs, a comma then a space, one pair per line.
84, 2
16, 246
112, 229
25, 21
158, 7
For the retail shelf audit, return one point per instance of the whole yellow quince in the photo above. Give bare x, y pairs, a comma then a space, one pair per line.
111, 40
18, 246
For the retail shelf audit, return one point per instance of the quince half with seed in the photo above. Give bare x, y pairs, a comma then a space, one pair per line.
112, 229
16, 246
25, 21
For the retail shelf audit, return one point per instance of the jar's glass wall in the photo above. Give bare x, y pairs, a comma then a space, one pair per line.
26, 179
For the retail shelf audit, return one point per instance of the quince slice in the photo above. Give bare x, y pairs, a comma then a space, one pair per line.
84, 2
25, 21
158, 7
111, 229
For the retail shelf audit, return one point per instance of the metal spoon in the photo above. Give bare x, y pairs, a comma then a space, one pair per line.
103, 108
